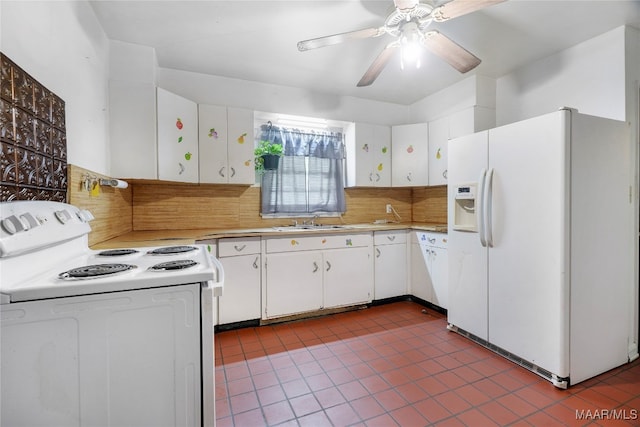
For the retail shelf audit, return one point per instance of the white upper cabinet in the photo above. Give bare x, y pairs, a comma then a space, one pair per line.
463, 122
368, 155
438, 140
409, 155
177, 121
226, 143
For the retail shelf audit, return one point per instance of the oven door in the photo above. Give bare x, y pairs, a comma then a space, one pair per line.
123, 358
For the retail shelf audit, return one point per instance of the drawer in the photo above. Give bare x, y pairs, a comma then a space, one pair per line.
430, 239
317, 242
389, 237
238, 246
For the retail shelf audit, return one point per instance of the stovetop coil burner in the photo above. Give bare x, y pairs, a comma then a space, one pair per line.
179, 264
118, 252
171, 250
95, 271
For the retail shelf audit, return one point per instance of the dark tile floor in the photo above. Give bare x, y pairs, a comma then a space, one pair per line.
395, 365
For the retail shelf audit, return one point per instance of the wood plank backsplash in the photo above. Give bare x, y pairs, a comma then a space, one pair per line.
111, 207
430, 204
176, 206
156, 205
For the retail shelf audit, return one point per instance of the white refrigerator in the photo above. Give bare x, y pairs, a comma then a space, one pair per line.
540, 244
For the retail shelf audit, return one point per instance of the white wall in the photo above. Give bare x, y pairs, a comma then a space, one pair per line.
62, 45
207, 89
589, 76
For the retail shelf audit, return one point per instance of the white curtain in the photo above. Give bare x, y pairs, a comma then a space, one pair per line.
309, 179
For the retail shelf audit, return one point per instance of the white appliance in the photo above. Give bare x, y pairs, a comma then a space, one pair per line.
546, 275
108, 338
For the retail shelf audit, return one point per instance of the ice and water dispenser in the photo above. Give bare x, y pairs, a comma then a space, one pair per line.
464, 216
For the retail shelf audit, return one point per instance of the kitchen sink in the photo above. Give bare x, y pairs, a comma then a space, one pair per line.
311, 227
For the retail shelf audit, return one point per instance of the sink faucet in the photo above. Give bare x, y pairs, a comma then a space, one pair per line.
312, 221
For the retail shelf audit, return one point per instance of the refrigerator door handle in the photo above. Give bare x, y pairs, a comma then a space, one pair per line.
480, 207
488, 203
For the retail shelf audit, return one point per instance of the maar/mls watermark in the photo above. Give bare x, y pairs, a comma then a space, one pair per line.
607, 414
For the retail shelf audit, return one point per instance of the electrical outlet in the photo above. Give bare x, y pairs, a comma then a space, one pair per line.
389, 208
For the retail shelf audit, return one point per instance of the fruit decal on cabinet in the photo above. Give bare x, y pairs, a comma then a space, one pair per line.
294, 242
380, 167
241, 138
410, 149
365, 148
384, 150
348, 242
213, 134
179, 124
438, 155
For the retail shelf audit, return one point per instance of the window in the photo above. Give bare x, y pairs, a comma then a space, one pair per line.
310, 177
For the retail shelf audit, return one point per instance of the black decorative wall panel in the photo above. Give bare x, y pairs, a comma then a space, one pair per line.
33, 141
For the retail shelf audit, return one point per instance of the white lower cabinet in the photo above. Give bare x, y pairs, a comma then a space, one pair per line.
390, 265
241, 260
309, 273
429, 267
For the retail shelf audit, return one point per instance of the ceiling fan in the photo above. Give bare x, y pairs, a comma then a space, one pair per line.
409, 23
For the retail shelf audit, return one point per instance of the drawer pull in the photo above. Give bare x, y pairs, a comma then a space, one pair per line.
432, 241
328, 266
221, 172
233, 172
255, 263
377, 253
239, 248
391, 238
315, 266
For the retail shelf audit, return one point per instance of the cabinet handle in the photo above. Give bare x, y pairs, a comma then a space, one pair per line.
391, 238
220, 172
255, 263
377, 177
181, 167
371, 176
328, 265
431, 240
233, 172
409, 177
377, 253
315, 266
445, 173
239, 248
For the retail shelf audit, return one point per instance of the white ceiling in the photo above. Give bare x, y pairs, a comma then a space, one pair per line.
256, 40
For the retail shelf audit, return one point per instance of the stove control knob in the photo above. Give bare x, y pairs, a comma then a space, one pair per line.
29, 221
85, 215
13, 225
63, 216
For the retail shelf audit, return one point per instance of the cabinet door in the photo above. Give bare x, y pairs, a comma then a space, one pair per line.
241, 298
212, 143
177, 138
348, 277
420, 281
390, 273
438, 140
439, 275
373, 155
410, 157
294, 283
240, 144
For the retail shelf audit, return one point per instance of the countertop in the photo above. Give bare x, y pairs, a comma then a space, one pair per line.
189, 237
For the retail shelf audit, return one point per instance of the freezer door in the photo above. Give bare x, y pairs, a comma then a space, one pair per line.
528, 269
467, 257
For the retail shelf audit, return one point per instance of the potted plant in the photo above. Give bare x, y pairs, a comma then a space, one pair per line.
267, 155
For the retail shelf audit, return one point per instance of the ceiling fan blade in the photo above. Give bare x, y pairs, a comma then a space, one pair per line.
454, 54
405, 4
378, 64
456, 8
339, 38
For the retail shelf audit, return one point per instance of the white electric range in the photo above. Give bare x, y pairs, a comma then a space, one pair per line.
115, 337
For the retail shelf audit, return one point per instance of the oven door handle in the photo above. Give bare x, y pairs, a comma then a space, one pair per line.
217, 290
